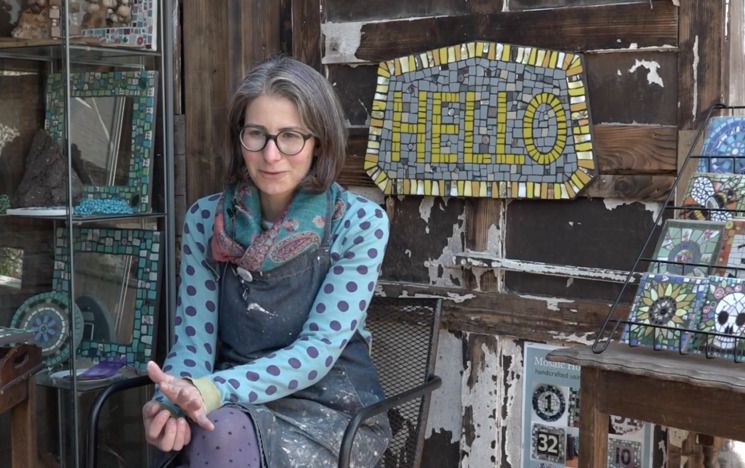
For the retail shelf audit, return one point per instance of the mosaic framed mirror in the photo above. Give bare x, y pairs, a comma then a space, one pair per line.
117, 279
112, 127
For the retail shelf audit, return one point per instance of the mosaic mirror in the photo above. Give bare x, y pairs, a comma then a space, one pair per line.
662, 313
721, 320
111, 135
117, 274
687, 247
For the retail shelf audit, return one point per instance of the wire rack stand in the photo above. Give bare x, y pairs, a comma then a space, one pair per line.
614, 324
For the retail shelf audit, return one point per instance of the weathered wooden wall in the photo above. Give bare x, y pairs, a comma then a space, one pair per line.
653, 68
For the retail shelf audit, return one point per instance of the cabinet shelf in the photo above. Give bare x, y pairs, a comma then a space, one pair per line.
83, 51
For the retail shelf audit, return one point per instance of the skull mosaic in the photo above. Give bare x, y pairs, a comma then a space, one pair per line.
730, 319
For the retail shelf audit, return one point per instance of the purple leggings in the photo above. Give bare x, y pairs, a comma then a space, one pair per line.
231, 444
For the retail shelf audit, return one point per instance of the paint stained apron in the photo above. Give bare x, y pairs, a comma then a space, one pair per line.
266, 314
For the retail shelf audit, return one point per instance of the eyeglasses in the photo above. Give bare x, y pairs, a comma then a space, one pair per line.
289, 142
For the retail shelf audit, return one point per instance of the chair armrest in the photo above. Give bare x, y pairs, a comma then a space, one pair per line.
384, 405
98, 403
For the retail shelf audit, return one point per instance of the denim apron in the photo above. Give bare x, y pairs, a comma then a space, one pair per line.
266, 312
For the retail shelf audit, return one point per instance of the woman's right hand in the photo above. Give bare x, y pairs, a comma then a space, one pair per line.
163, 429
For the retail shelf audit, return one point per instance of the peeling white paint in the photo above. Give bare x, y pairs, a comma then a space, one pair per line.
407, 252
652, 67
633, 46
443, 414
613, 203
439, 273
342, 41
618, 72
459, 298
695, 78
570, 281
512, 397
493, 239
425, 210
552, 303
573, 337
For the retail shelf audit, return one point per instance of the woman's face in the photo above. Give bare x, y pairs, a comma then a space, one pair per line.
275, 174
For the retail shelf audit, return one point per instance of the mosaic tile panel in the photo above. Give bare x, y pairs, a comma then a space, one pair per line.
725, 137
692, 246
144, 246
664, 301
141, 87
723, 318
141, 32
731, 260
482, 119
624, 453
548, 443
716, 197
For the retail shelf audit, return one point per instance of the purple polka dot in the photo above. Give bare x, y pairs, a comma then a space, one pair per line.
186, 229
252, 396
348, 254
191, 311
271, 355
210, 306
343, 343
358, 240
271, 390
321, 307
233, 397
362, 269
219, 379
361, 213
208, 365
167, 368
209, 327
252, 376
178, 299
371, 285
351, 286
200, 246
208, 348
365, 224
312, 352
214, 197
200, 227
329, 361
379, 233
294, 363
194, 208
209, 284
187, 249
292, 385
312, 375
185, 374
328, 288
190, 331
378, 213
326, 340
360, 199
338, 270
178, 320
273, 370
353, 325
335, 325
191, 290
335, 256
191, 348
171, 355
190, 270
206, 214
313, 327
343, 306
363, 305
372, 253
189, 363
347, 223
234, 383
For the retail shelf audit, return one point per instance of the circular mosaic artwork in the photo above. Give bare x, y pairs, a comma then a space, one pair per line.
548, 402
47, 316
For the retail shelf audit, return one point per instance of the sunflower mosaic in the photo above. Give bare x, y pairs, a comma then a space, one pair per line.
482, 119
663, 309
721, 321
687, 247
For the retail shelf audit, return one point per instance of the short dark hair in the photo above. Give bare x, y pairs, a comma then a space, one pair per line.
318, 107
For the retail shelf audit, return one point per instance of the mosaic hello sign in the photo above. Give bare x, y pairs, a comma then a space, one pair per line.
482, 119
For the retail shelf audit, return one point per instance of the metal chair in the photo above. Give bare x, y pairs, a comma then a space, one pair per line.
405, 332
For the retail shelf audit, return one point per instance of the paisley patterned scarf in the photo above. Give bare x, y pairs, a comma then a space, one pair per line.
238, 236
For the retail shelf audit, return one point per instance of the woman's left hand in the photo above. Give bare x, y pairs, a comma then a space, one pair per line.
182, 393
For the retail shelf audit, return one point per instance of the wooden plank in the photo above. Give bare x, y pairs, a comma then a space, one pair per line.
306, 32
578, 29
735, 62
630, 187
254, 35
593, 432
632, 149
518, 5
482, 219
702, 50
644, 87
344, 10
356, 88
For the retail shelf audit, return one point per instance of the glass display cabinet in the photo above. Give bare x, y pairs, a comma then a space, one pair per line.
87, 262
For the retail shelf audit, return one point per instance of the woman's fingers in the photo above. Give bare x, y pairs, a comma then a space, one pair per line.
157, 375
169, 436
156, 425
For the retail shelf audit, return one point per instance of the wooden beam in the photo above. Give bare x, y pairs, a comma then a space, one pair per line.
306, 32
630, 187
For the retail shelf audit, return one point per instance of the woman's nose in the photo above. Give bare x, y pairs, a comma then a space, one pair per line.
271, 151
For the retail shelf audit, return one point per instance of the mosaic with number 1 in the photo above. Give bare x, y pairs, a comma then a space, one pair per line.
482, 119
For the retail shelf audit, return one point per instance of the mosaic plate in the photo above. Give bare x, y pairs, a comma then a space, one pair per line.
664, 301
715, 197
47, 315
723, 316
687, 247
725, 136
731, 262
482, 119
548, 402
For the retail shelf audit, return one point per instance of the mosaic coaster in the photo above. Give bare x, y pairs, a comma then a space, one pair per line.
692, 247
548, 402
664, 301
722, 315
548, 443
624, 453
715, 197
725, 136
731, 262
482, 119
48, 316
